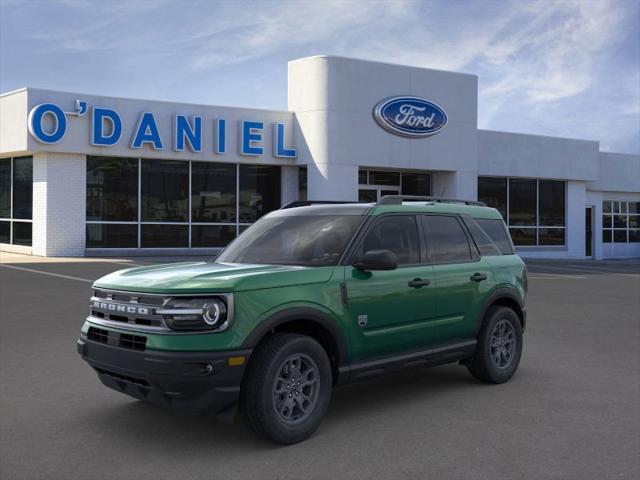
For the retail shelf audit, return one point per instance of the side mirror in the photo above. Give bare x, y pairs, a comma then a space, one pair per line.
377, 260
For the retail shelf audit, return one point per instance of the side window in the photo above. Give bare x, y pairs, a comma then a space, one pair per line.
446, 239
398, 233
498, 233
484, 243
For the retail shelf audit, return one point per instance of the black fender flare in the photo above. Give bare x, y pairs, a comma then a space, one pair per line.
498, 294
300, 313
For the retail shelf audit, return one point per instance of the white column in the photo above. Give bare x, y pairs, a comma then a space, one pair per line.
59, 204
332, 181
289, 184
575, 233
462, 185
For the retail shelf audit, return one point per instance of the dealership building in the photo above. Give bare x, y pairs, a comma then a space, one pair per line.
94, 175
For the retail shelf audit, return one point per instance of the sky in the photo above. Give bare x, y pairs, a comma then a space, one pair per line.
568, 68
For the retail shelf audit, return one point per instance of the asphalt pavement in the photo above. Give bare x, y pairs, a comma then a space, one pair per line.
571, 412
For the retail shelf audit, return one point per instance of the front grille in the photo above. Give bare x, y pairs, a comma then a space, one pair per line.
133, 342
128, 308
98, 335
122, 340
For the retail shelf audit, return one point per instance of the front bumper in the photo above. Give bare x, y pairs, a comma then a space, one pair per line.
196, 381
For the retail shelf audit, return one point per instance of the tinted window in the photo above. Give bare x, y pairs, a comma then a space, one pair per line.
493, 192
5, 188
212, 235
259, 191
213, 192
165, 236
416, 184
397, 233
522, 202
523, 236
22, 233
165, 188
112, 189
5, 231
384, 178
302, 183
317, 240
446, 240
481, 239
551, 197
497, 233
112, 235
23, 192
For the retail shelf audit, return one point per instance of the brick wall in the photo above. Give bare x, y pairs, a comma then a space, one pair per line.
59, 185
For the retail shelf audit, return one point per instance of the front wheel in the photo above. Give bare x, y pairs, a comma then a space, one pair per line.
499, 346
287, 388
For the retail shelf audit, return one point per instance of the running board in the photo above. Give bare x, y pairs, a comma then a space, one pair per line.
420, 359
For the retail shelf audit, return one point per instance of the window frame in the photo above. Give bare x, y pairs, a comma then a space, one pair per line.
474, 252
11, 219
538, 226
353, 247
238, 225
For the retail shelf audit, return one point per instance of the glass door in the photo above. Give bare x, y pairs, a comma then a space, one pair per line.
373, 194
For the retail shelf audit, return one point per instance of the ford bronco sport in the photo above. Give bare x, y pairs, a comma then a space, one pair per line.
310, 297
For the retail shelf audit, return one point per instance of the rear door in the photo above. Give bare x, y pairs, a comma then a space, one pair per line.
389, 311
462, 277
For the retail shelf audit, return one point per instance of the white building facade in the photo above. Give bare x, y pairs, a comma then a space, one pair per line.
93, 175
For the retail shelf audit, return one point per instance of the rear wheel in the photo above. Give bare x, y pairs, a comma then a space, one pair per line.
287, 388
499, 346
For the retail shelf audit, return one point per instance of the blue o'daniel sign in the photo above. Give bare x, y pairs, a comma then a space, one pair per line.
410, 116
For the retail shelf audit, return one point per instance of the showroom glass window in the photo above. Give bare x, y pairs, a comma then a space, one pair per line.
144, 203
16, 200
534, 209
620, 221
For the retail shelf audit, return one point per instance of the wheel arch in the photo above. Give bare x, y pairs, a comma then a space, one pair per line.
506, 297
306, 321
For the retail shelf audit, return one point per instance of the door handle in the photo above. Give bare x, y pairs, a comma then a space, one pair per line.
418, 282
477, 277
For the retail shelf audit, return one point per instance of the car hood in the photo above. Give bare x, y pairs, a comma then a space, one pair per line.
205, 277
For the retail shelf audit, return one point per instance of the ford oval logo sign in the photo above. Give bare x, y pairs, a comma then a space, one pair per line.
410, 116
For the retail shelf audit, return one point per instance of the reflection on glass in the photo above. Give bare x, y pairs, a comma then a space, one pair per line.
493, 192
620, 236
367, 195
302, 183
552, 203
23, 189
5, 231
606, 236
213, 192
522, 202
259, 191
523, 236
5, 188
551, 236
22, 233
112, 189
377, 177
416, 184
109, 235
165, 236
165, 188
212, 235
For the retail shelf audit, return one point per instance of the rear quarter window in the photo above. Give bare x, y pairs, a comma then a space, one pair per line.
497, 232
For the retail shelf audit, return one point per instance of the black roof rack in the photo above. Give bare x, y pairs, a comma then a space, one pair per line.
398, 199
306, 203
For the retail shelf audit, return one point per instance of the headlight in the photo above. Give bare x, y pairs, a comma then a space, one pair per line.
196, 313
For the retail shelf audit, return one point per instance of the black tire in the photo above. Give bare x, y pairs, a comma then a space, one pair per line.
495, 364
272, 361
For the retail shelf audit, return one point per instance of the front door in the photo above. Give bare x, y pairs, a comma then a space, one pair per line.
389, 311
588, 231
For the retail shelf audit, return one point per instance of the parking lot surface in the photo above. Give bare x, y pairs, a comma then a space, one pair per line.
571, 412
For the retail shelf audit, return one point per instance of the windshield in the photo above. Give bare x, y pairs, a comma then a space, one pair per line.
314, 240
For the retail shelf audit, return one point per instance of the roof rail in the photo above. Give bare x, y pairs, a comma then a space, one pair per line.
398, 199
306, 203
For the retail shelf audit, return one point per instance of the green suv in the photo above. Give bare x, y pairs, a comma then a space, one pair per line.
310, 297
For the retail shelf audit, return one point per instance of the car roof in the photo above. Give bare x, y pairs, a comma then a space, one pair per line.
475, 211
